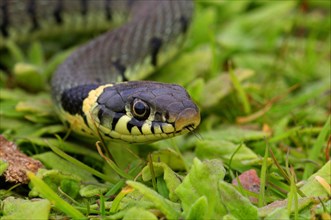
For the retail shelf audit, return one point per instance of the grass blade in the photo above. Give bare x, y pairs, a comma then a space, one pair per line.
58, 202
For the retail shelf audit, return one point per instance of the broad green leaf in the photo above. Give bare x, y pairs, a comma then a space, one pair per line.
202, 180
44, 190
29, 76
15, 208
279, 213
55, 179
314, 188
281, 206
198, 209
139, 214
234, 134
170, 177
241, 155
168, 208
235, 203
161, 187
92, 190
170, 157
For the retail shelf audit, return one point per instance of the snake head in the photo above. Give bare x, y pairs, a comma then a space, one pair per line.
144, 111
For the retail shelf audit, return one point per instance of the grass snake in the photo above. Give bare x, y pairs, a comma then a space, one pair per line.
96, 89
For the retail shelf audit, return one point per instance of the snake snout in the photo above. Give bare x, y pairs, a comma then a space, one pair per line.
189, 119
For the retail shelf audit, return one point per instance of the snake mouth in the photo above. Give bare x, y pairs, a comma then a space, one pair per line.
188, 119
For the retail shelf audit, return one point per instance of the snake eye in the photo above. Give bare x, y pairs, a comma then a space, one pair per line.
140, 109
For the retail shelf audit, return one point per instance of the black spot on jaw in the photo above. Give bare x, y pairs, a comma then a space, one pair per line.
57, 13
117, 117
152, 128
32, 12
72, 99
129, 126
5, 18
120, 68
134, 122
108, 12
155, 45
184, 23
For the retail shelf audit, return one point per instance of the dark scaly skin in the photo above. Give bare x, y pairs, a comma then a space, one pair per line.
89, 79
127, 46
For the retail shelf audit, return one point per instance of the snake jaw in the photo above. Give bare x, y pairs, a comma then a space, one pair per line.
188, 119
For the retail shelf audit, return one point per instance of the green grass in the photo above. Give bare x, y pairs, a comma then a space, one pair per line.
269, 111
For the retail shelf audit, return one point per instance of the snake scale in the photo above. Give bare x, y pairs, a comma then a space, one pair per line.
96, 89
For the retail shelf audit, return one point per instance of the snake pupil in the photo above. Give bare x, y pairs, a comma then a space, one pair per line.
140, 109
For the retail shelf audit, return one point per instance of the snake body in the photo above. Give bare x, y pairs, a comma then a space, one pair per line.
95, 88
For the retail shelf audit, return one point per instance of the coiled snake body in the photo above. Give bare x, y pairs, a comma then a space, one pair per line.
94, 88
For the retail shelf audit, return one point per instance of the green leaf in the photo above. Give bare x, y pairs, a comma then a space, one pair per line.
281, 206
170, 157
92, 190
312, 187
235, 203
67, 146
169, 209
36, 54
29, 76
234, 134
198, 209
200, 30
53, 161
279, 213
49, 194
169, 176
13, 208
246, 32
241, 158
161, 187
194, 63
55, 179
202, 180
139, 214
